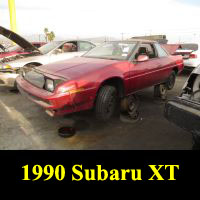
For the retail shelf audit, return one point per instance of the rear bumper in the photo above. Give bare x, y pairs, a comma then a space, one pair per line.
8, 79
191, 63
54, 104
184, 114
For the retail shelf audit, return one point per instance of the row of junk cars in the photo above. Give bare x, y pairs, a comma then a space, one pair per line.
69, 76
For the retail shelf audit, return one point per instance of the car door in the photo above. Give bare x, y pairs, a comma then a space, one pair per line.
166, 64
143, 74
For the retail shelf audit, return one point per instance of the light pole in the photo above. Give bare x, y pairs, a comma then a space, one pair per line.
13, 24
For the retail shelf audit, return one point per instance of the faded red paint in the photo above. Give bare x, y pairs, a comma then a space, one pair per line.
87, 74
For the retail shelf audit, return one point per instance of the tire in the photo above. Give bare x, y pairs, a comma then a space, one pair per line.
14, 88
171, 81
106, 103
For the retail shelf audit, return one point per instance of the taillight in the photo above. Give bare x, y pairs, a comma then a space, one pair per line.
193, 55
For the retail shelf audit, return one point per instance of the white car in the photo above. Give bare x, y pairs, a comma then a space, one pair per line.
51, 52
191, 58
194, 60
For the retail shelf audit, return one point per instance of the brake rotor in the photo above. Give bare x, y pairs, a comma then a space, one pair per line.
160, 91
66, 131
129, 109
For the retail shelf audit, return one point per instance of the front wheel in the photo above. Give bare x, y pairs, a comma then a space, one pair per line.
106, 103
14, 88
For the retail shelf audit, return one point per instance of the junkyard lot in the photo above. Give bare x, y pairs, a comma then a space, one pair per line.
24, 125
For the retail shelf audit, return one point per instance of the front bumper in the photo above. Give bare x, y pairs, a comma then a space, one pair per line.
8, 79
54, 104
183, 113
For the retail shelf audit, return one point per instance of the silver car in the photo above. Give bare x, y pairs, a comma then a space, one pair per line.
11, 66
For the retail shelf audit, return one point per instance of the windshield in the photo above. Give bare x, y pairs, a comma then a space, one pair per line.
112, 50
49, 47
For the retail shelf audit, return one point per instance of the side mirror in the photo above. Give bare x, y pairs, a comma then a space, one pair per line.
142, 58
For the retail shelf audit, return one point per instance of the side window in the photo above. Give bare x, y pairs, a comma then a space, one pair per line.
161, 51
146, 49
68, 47
85, 46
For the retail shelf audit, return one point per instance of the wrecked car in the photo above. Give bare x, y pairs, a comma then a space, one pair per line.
11, 66
16, 49
184, 110
100, 78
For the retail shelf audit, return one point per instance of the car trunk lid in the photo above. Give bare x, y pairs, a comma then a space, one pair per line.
186, 54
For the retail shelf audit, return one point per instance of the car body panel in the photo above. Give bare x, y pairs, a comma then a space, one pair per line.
184, 110
184, 114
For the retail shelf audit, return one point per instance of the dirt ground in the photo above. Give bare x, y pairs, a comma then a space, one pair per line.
24, 125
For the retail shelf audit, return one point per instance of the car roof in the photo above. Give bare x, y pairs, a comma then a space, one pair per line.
142, 40
136, 40
74, 40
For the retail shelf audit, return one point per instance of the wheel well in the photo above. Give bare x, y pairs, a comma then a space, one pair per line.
117, 83
33, 63
176, 70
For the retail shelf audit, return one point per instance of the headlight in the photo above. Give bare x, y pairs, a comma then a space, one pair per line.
49, 85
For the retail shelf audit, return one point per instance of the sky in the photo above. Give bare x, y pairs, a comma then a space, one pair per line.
178, 19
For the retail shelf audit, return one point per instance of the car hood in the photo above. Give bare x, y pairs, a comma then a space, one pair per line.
74, 67
18, 39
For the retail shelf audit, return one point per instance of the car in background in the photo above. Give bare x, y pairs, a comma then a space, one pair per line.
17, 50
101, 77
191, 59
184, 110
190, 53
11, 66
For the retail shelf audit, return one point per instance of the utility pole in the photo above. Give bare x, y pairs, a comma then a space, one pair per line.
13, 24
122, 36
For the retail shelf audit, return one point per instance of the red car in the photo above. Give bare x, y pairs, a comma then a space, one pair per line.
99, 78
17, 50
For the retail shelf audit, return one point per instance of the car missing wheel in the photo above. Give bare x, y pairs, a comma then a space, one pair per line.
100, 77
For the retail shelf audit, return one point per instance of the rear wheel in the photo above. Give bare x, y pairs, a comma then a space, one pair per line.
106, 103
171, 81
